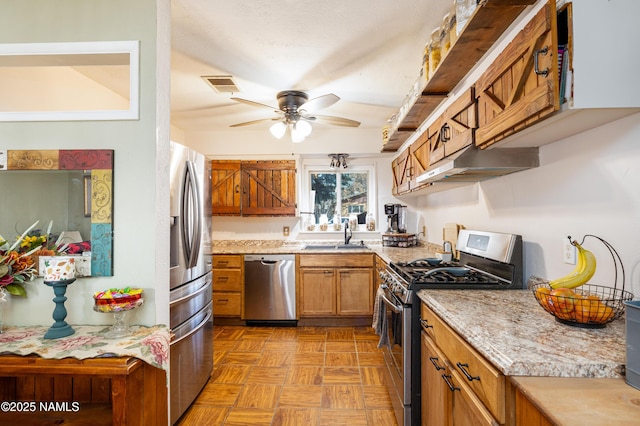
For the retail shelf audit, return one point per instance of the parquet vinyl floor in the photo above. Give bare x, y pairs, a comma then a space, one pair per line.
290, 376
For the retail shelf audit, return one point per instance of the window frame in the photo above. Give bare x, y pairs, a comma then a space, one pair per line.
317, 165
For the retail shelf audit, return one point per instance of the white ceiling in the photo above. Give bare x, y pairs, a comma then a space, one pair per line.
367, 52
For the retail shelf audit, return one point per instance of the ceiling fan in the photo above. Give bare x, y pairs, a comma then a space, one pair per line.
295, 112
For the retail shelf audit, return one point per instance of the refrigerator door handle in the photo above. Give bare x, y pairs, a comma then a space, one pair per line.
206, 286
190, 214
195, 329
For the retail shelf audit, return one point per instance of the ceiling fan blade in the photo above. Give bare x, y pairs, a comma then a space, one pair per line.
337, 121
256, 104
319, 103
248, 123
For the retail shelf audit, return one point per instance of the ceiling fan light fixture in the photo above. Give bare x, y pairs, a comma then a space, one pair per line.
303, 127
278, 129
296, 135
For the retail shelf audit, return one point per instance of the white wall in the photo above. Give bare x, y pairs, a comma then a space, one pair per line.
586, 184
141, 146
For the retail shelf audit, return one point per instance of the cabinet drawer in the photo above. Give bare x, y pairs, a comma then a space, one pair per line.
336, 260
227, 280
227, 260
226, 304
484, 379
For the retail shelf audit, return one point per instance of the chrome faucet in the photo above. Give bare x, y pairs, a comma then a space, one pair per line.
347, 238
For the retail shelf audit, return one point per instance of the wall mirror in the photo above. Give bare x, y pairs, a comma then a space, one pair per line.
72, 188
69, 81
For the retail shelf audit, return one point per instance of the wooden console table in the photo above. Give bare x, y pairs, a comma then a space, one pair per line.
83, 378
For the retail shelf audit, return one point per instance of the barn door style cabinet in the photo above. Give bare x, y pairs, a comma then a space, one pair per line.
568, 70
253, 188
487, 24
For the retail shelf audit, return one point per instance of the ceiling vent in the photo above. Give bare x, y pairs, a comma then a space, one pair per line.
221, 83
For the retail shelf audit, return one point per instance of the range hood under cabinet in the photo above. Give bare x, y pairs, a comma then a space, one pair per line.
473, 165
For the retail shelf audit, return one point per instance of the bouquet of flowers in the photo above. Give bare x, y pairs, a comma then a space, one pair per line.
16, 265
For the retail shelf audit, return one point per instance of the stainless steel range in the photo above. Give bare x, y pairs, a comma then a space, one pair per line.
488, 261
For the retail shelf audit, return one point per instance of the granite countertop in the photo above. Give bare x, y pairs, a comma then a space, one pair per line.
517, 336
388, 254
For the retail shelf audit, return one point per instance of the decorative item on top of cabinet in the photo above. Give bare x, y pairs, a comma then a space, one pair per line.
336, 285
228, 284
253, 188
520, 88
486, 25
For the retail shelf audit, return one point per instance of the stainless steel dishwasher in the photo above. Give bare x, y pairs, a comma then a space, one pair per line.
270, 289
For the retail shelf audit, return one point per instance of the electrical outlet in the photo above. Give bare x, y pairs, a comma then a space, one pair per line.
568, 252
285, 231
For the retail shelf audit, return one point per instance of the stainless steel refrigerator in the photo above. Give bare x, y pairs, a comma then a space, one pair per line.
191, 309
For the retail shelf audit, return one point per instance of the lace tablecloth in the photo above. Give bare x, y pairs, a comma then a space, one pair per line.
150, 344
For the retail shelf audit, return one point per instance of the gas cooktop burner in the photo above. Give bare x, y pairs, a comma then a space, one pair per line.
418, 273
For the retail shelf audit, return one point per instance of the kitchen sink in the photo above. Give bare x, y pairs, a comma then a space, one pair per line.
335, 247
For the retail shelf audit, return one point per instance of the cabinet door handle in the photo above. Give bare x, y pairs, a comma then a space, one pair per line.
425, 324
237, 189
434, 361
445, 133
463, 368
536, 68
446, 378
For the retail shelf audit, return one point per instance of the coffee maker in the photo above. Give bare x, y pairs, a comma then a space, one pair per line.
396, 218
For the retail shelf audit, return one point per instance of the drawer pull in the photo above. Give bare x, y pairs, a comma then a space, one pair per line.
434, 361
463, 368
536, 68
425, 324
223, 300
222, 278
446, 378
222, 262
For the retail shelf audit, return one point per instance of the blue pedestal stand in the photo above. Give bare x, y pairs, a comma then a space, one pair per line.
60, 328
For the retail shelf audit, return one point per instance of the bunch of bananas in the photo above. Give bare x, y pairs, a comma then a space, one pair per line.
584, 270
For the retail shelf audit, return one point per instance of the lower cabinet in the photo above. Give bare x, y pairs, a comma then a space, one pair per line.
459, 387
332, 284
228, 285
528, 414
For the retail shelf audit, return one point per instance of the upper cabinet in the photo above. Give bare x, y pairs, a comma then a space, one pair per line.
486, 25
253, 188
520, 87
570, 69
225, 188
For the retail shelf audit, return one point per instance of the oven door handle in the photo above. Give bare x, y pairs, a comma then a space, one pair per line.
395, 308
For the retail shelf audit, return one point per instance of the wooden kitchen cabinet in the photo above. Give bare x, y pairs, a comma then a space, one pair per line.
521, 86
401, 169
448, 134
483, 29
225, 188
253, 188
435, 394
228, 285
518, 107
527, 414
454, 128
336, 285
476, 390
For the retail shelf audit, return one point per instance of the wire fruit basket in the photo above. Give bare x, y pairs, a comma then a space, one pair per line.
589, 305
